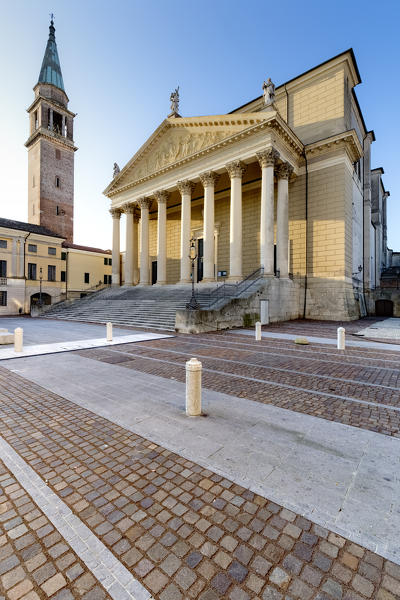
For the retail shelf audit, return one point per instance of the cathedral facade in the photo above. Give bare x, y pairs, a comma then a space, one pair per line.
281, 184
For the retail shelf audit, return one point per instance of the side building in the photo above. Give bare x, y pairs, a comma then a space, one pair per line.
38, 268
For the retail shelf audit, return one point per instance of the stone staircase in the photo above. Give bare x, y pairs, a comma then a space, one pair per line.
150, 307
147, 307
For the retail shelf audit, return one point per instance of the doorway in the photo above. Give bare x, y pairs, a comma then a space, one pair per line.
200, 251
153, 272
384, 308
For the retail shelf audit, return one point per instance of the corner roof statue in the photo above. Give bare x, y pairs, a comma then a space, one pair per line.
116, 170
174, 98
269, 92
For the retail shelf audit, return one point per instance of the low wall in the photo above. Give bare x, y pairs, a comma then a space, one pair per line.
383, 294
285, 303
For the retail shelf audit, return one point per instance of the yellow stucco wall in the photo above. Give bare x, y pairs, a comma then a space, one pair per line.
80, 262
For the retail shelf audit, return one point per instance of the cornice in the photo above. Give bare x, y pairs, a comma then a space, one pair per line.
259, 122
50, 135
347, 140
52, 103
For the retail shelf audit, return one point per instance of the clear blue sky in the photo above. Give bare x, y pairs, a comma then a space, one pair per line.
121, 59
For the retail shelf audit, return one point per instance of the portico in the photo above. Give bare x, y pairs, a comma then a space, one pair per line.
217, 189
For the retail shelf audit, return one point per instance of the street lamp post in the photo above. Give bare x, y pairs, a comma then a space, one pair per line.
193, 304
40, 285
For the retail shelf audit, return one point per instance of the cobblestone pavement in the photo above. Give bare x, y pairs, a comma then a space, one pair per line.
182, 530
358, 386
35, 561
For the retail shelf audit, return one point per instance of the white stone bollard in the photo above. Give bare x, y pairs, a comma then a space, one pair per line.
258, 331
18, 339
341, 338
193, 387
109, 332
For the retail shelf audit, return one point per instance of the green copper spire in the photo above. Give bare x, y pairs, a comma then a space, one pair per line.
51, 69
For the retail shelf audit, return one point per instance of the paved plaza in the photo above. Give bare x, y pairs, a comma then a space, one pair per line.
287, 488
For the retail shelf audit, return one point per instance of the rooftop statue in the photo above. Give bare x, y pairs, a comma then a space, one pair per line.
174, 98
269, 92
116, 170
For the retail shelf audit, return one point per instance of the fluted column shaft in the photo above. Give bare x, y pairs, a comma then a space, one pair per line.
267, 163
208, 180
235, 170
129, 268
161, 198
282, 220
185, 188
144, 204
115, 277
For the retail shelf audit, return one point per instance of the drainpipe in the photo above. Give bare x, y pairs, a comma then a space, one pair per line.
306, 239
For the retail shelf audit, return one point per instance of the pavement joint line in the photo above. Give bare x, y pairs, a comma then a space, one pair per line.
271, 368
273, 383
72, 529
307, 357
57, 347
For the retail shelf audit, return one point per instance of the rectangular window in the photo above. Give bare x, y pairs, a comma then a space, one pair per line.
31, 271
110, 261
63, 276
52, 251
58, 154
57, 182
32, 248
86, 278
3, 243
106, 262
51, 273
3, 268
3, 298
63, 256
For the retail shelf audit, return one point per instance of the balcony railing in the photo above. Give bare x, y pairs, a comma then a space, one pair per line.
3, 280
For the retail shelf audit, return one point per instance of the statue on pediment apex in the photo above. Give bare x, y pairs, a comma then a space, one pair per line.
269, 92
116, 170
174, 98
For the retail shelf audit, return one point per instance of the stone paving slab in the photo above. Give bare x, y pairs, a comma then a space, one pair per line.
183, 530
321, 340
341, 477
36, 561
40, 349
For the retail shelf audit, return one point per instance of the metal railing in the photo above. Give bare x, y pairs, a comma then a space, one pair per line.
3, 280
233, 290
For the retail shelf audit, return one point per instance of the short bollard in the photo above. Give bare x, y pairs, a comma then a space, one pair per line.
193, 387
341, 338
18, 339
258, 331
109, 332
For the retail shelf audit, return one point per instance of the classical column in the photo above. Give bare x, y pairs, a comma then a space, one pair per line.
129, 210
282, 220
144, 204
235, 170
135, 249
185, 188
267, 162
208, 180
116, 215
161, 198
51, 120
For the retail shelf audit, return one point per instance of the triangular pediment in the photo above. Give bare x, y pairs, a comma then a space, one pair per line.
177, 139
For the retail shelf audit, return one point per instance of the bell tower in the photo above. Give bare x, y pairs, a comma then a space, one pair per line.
51, 149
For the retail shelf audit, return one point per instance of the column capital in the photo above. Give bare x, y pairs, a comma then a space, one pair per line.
144, 203
268, 157
208, 178
185, 187
284, 171
129, 208
115, 213
161, 196
235, 168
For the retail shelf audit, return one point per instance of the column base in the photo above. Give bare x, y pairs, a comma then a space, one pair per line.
184, 281
128, 283
268, 275
208, 280
160, 283
142, 284
234, 278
